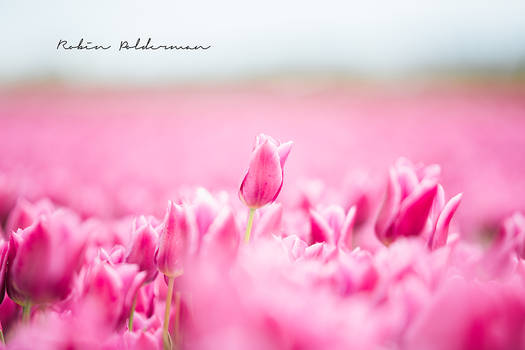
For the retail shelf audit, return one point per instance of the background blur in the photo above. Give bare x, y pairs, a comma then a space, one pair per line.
354, 84
257, 39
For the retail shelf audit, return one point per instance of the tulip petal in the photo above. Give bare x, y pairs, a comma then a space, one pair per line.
414, 211
443, 222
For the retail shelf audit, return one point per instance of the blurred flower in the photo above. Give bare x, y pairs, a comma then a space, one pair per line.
410, 193
222, 238
174, 240
511, 236
143, 246
114, 287
270, 221
43, 259
25, 213
333, 226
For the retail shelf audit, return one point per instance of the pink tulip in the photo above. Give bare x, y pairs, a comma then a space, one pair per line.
44, 258
114, 287
174, 240
24, 214
142, 250
333, 226
264, 179
410, 194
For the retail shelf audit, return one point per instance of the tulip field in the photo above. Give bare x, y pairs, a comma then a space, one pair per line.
263, 218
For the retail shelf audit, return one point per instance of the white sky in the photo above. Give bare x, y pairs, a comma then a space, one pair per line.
254, 38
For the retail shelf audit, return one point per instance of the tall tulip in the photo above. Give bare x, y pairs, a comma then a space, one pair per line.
174, 240
264, 179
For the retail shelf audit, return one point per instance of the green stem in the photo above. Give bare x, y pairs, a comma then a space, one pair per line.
26, 312
165, 332
249, 225
178, 339
132, 313
2, 339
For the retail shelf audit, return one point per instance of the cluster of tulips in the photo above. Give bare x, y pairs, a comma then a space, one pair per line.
217, 272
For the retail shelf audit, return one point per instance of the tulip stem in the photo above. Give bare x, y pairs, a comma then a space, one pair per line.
249, 225
26, 312
132, 313
2, 339
177, 320
165, 334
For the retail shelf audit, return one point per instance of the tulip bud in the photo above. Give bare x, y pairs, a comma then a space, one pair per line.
410, 195
174, 240
24, 214
264, 179
43, 259
142, 251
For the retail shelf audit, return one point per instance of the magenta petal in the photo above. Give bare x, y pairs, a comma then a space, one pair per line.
414, 212
320, 231
407, 180
389, 208
4, 246
345, 239
443, 222
284, 150
142, 251
439, 203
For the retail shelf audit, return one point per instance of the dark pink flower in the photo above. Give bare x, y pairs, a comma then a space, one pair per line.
143, 246
264, 179
25, 213
114, 287
410, 194
44, 258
